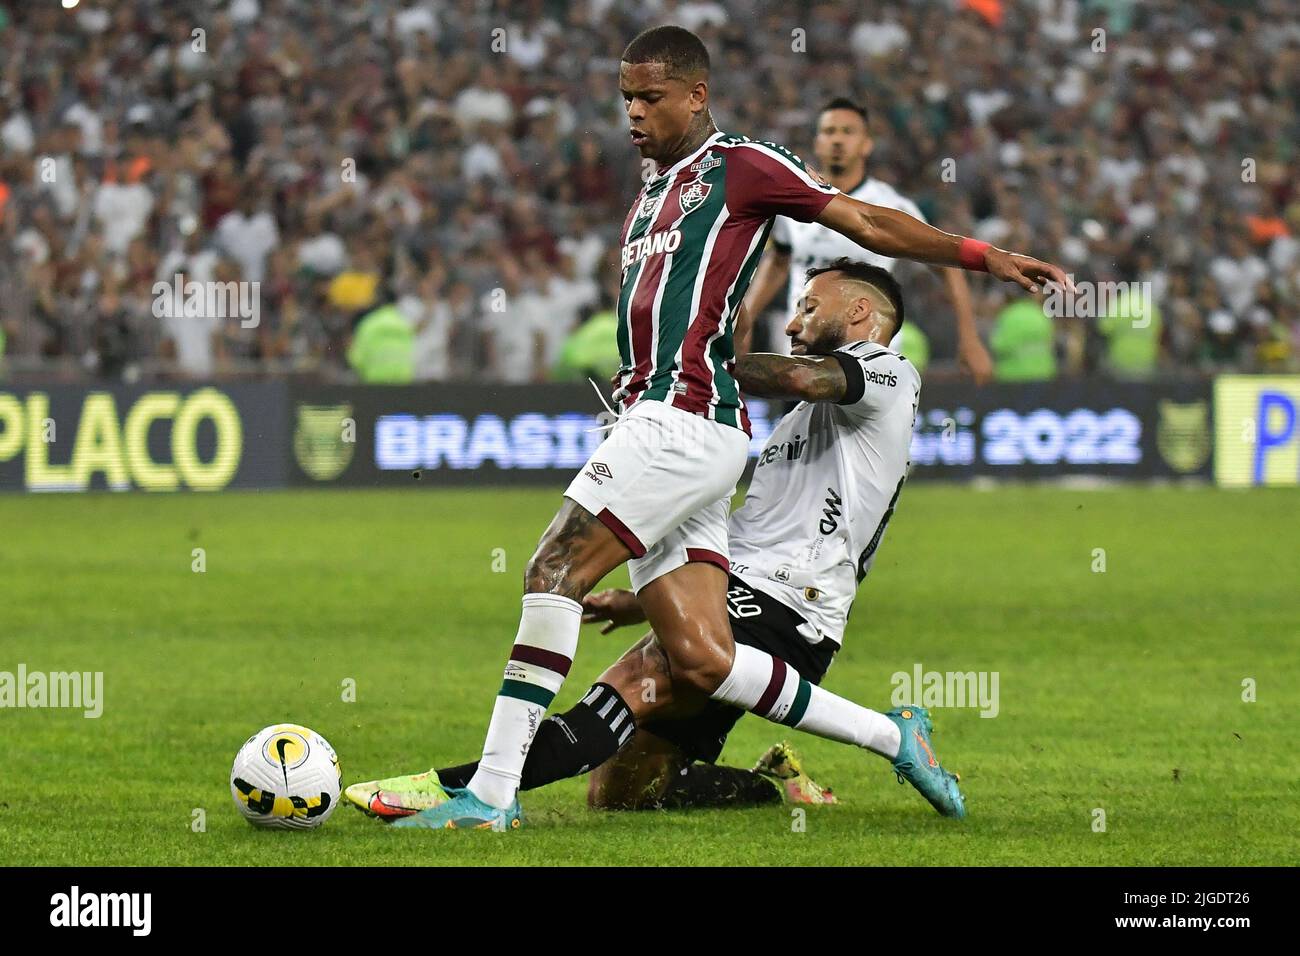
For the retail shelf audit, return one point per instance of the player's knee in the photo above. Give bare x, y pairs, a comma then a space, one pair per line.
701, 668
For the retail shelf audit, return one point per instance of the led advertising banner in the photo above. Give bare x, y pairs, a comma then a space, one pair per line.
266, 435
121, 438
413, 436
434, 435
1257, 430
1054, 429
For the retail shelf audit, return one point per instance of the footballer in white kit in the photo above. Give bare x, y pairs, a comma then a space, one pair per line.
824, 489
843, 144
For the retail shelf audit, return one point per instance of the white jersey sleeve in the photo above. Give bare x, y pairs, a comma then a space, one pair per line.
878, 379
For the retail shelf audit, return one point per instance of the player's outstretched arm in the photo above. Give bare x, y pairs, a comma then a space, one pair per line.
768, 375
900, 236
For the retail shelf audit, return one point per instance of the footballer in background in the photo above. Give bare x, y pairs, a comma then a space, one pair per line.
843, 145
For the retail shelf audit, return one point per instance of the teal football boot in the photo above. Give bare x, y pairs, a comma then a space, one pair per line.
917, 763
464, 811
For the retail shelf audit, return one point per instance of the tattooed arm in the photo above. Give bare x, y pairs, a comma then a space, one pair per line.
767, 375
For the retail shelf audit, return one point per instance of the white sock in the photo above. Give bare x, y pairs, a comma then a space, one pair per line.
767, 686
831, 716
539, 661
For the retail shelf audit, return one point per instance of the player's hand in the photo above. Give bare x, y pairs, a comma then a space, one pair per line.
1028, 273
616, 606
975, 360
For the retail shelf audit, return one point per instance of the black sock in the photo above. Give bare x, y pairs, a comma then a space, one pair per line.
708, 785
567, 744
458, 777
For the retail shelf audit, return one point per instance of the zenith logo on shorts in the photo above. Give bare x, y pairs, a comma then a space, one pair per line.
601, 469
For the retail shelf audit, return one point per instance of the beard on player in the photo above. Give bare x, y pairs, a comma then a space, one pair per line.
822, 339
833, 312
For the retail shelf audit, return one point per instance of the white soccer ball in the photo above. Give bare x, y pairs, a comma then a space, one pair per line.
286, 777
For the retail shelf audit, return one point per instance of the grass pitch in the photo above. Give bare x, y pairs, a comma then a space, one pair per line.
1119, 691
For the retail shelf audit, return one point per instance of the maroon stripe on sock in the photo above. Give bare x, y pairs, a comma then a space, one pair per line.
768, 700
623, 532
541, 658
710, 557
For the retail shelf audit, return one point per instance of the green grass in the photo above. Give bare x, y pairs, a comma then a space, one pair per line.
1119, 690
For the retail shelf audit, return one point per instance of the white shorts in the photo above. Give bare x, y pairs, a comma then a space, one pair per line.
662, 481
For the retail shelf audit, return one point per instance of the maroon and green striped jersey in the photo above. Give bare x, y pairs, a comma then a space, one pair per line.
690, 246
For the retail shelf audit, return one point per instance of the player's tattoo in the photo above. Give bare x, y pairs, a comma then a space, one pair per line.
790, 376
700, 129
656, 660
551, 570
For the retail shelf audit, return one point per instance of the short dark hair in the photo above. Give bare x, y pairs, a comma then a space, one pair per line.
680, 50
844, 103
874, 276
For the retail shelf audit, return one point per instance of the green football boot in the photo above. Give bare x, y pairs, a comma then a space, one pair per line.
398, 797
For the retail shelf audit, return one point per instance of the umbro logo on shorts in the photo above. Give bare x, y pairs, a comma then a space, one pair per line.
601, 472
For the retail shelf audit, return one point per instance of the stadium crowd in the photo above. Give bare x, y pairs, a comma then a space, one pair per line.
452, 175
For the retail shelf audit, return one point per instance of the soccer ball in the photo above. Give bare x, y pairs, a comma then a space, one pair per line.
286, 777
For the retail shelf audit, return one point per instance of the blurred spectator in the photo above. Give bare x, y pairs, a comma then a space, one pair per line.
433, 321
1132, 326
516, 334
356, 286
915, 345
248, 234
382, 349
590, 351
1222, 342
1023, 343
1238, 273
568, 296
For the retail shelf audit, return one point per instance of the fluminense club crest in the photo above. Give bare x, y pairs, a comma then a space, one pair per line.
692, 194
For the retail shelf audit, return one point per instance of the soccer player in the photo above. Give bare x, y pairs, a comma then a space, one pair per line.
656, 493
843, 145
804, 540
